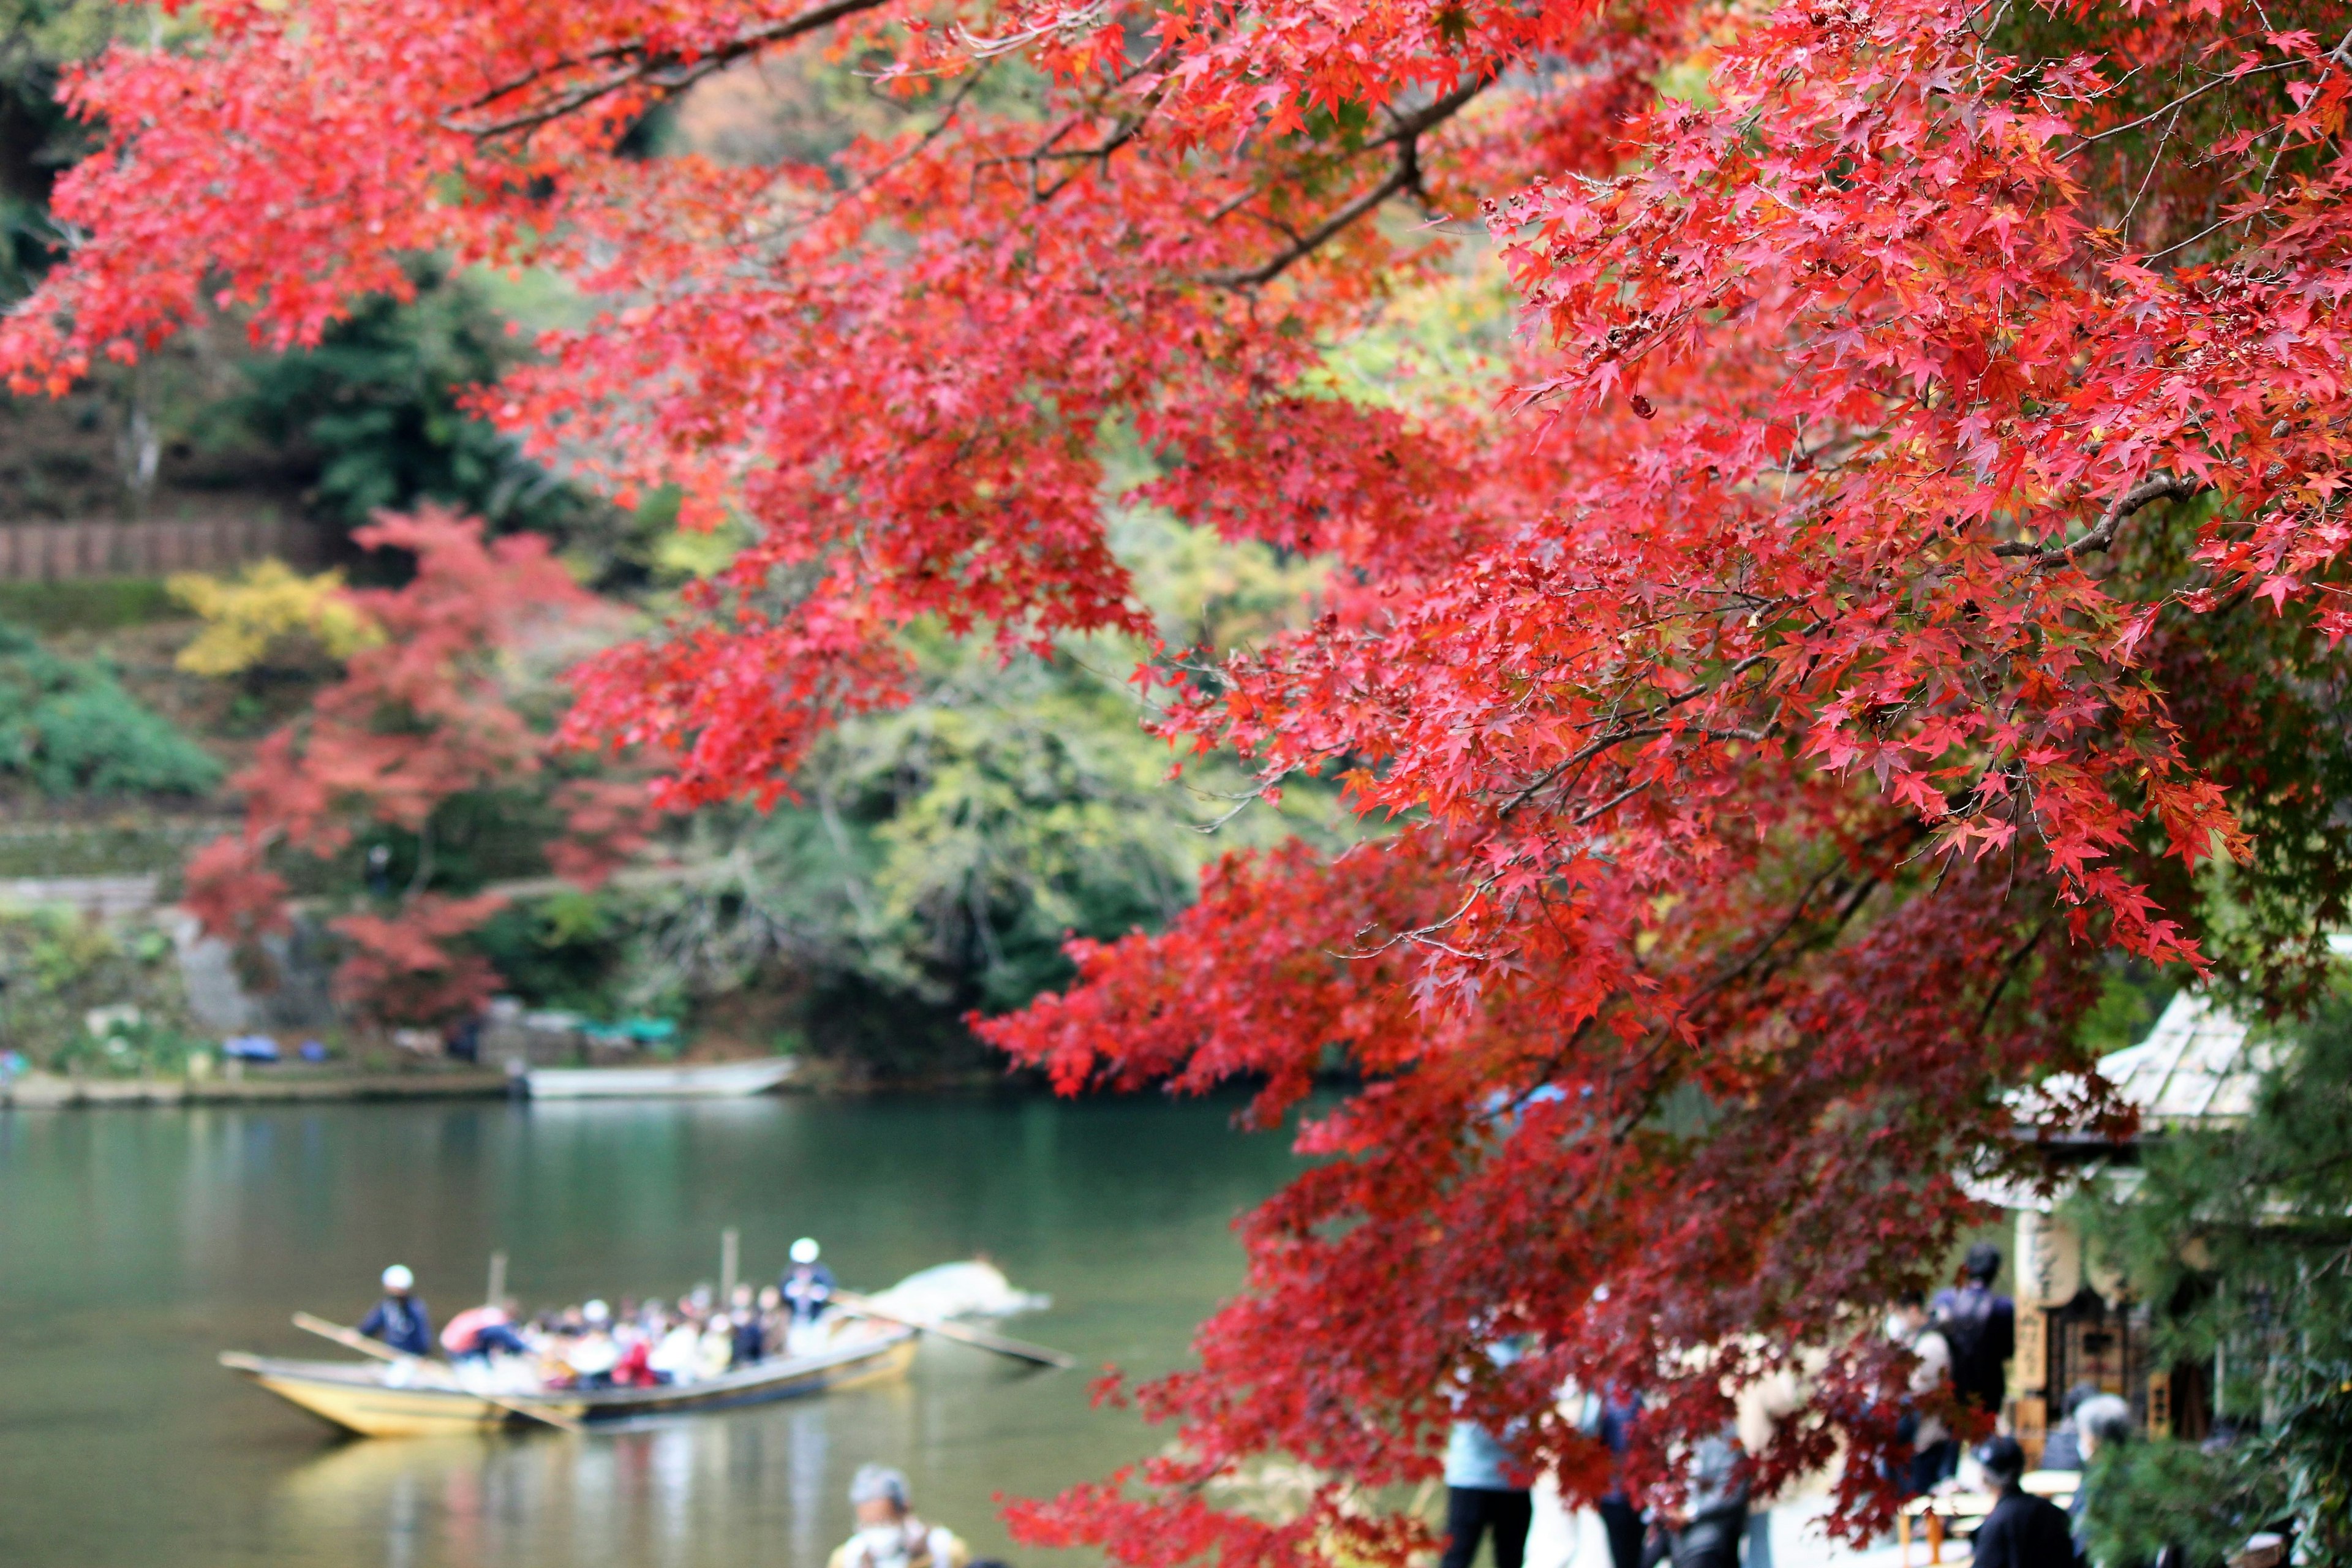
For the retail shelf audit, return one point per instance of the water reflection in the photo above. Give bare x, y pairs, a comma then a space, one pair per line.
135, 1244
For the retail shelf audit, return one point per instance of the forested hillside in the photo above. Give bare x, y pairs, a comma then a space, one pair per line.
928, 861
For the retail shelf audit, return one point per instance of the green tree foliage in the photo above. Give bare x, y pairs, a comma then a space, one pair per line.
2241, 1240
939, 854
2260, 691
37, 37
68, 728
375, 415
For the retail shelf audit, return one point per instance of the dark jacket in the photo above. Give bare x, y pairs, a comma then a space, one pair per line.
402, 1323
808, 1292
2025, 1531
1982, 1328
1616, 1430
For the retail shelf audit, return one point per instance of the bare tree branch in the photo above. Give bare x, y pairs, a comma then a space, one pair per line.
2162, 487
634, 65
1403, 179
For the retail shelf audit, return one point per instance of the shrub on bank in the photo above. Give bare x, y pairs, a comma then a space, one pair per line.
68, 727
94, 997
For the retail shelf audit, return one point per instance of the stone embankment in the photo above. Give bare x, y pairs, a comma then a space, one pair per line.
50, 1091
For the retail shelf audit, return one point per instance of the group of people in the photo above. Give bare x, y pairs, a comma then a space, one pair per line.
1962, 1341
642, 1345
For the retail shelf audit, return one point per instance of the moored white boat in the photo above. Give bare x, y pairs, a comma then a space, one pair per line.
715, 1080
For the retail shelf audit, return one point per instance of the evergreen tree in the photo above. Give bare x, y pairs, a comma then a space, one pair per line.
2241, 1237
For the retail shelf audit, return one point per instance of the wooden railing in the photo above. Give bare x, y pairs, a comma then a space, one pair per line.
52, 552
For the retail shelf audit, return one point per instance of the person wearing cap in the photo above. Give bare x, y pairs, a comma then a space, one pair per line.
2023, 1530
807, 1288
888, 1533
400, 1319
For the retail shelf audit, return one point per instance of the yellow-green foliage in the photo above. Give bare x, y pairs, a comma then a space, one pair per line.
246, 618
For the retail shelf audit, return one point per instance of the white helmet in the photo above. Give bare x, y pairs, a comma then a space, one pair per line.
597, 1312
804, 1250
398, 1278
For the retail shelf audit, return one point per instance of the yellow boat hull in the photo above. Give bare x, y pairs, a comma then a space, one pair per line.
420, 1400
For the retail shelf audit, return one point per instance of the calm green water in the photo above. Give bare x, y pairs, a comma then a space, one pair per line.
135, 1244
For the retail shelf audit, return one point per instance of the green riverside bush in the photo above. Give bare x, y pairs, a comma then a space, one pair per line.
68, 728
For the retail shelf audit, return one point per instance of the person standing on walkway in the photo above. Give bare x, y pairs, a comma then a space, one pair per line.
2103, 1422
1982, 1328
1480, 1497
400, 1319
1481, 1494
1935, 1453
2023, 1530
1714, 1511
1619, 1519
1760, 1409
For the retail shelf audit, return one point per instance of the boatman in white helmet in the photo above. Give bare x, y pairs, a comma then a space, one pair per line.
400, 1319
807, 1286
888, 1533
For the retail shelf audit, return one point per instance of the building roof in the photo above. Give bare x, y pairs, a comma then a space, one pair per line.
2196, 1067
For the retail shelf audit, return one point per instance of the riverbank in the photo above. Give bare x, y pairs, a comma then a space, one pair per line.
282, 1085
51, 1092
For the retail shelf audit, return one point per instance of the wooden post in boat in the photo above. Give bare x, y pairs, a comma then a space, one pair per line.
729, 1255
498, 1291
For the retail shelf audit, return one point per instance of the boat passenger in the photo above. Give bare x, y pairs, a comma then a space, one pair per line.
743, 1317
807, 1290
400, 1319
888, 1533
484, 1330
716, 1355
635, 1369
592, 1356
679, 1357
772, 1320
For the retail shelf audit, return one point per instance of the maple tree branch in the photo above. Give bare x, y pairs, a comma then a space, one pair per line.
953, 107
1404, 134
2162, 487
1642, 732
1848, 902
668, 72
2185, 99
2009, 969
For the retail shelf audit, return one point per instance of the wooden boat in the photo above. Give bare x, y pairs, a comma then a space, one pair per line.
422, 1398
717, 1080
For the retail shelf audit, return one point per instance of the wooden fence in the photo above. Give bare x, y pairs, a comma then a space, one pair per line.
52, 552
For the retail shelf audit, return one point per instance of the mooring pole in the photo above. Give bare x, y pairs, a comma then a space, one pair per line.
729, 1246
498, 1279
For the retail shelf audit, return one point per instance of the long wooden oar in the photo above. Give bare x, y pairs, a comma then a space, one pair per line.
962, 1333
351, 1339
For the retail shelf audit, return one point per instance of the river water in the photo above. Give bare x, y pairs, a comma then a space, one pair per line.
136, 1245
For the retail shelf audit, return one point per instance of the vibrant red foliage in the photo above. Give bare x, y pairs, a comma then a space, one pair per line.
1766, 690
420, 717
404, 968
